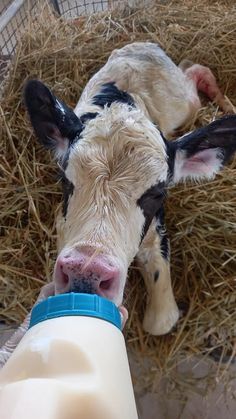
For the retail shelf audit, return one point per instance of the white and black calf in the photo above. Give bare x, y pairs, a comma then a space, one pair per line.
117, 164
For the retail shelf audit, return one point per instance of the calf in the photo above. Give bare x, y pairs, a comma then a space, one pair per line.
117, 165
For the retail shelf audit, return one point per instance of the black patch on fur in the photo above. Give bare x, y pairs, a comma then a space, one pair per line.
67, 190
87, 117
171, 152
150, 202
110, 93
161, 231
156, 276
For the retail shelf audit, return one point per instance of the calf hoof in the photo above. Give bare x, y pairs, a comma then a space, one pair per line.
225, 104
160, 323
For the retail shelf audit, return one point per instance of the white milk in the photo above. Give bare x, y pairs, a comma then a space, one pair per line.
69, 367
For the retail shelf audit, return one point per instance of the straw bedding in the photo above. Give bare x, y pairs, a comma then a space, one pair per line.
201, 219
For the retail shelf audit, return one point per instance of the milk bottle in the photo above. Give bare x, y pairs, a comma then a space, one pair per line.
71, 364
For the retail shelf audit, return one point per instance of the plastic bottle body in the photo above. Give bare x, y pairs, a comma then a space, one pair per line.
72, 367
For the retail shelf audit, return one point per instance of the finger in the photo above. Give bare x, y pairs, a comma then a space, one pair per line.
124, 316
46, 291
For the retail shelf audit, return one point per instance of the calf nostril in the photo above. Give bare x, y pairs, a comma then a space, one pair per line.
106, 285
64, 279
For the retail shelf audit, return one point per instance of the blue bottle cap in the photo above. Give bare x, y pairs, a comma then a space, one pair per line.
75, 304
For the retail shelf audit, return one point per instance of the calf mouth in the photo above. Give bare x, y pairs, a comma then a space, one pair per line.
83, 285
106, 288
87, 286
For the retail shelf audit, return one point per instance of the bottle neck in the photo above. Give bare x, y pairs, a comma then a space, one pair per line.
76, 304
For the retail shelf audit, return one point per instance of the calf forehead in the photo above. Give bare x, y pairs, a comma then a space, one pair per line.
119, 146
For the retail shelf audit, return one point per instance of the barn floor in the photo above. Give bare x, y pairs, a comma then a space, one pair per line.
219, 403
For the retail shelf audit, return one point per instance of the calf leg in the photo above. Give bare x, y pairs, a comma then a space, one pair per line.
206, 83
153, 258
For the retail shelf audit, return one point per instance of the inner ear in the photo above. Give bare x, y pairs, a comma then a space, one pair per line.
54, 138
204, 164
55, 124
202, 153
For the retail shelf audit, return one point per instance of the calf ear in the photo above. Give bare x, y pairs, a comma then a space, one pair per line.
54, 123
202, 153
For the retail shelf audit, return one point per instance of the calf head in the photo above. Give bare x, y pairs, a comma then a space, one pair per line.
116, 167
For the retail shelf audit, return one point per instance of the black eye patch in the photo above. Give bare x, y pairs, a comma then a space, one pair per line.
150, 202
67, 190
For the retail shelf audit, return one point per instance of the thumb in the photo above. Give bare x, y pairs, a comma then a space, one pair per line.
124, 316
